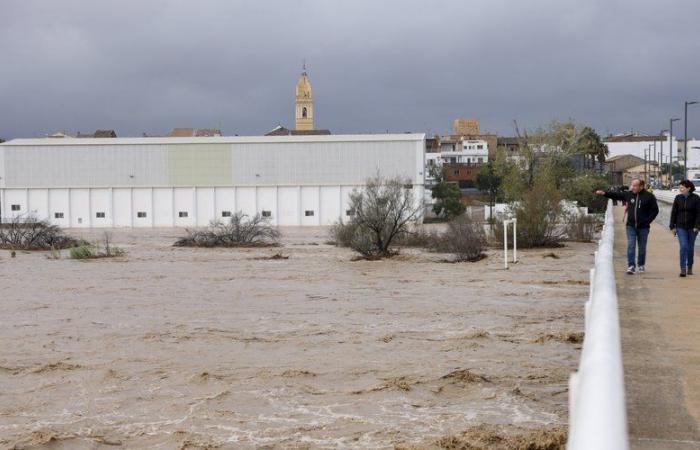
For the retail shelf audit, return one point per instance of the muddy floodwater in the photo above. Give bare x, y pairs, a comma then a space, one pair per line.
171, 348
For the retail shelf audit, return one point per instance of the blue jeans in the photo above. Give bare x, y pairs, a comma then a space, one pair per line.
637, 237
686, 237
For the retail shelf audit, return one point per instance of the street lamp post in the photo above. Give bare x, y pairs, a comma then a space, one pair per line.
670, 143
661, 143
685, 140
646, 165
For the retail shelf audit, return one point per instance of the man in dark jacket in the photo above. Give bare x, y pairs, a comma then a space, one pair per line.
642, 211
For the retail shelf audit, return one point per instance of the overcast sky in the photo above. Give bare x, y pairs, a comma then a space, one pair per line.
399, 65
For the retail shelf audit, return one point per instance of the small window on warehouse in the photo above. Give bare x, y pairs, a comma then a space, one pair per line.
183, 214
58, 215
225, 213
267, 213
309, 213
16, 207
141, 214
100, 215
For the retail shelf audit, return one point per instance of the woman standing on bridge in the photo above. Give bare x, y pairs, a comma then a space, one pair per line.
685, 223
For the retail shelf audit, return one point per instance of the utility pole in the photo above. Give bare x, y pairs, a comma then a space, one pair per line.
685, 140
661, 143
670, 143
646, 177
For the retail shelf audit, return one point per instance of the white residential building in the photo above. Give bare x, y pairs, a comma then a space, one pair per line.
457, 151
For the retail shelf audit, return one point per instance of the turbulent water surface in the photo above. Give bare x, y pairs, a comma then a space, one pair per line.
204, 348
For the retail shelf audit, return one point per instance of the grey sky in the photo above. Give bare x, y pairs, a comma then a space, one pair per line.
400, 65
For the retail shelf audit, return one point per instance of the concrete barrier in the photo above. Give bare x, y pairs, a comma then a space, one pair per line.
597, 414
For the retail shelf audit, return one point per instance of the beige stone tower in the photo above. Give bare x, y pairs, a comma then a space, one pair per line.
304, 111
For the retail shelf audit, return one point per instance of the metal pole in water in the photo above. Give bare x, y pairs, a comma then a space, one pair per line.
515, 240
505, 243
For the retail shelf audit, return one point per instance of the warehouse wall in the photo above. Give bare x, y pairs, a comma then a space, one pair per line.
180, 206
163, 182
207, 164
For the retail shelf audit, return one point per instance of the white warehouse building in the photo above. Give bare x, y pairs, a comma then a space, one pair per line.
181, 182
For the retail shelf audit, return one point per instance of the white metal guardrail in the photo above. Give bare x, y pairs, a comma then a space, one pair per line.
597, 415
665, 196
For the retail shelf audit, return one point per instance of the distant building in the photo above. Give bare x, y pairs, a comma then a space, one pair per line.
190, 181
649, 172
465, 150
511, 145
618, 164
304, 107
100, 134
194, 132
653, 147
59, 135
693, 152
465, 127
462, 174
282, 131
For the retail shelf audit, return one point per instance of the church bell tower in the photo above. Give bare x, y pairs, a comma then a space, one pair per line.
304, 108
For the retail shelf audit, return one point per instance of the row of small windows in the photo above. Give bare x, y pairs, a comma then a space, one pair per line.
183, 214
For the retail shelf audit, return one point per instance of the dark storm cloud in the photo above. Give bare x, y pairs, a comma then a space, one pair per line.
148, 66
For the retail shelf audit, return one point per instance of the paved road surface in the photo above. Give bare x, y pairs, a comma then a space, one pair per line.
660, 320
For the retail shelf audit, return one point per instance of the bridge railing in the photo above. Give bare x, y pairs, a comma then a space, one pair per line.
597, 415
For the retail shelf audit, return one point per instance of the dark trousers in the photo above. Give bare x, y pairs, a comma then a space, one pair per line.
686, 238
637, 240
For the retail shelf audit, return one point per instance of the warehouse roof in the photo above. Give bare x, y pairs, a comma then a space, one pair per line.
216, 140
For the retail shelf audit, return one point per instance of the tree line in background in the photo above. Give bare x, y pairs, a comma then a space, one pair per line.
561, 161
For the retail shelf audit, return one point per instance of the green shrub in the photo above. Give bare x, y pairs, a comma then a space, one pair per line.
85, 251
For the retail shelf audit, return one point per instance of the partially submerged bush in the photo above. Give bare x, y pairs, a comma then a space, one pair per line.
240, 231
539, 214
382, 213
581, 227
104, 249
29, 233
85, 251
464, 238
419, 237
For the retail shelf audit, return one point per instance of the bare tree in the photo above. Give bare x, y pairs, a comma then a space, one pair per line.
30, 233
382, 212
240, 231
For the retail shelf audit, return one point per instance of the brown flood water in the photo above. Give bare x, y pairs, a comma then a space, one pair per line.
218, 348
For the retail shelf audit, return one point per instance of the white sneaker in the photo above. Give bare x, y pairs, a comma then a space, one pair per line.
630, 270
640, 269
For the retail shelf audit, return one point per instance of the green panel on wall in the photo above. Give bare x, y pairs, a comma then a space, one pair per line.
199, 165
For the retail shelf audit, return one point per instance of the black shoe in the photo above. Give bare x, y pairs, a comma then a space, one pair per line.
630, 270
682, 274
690, 271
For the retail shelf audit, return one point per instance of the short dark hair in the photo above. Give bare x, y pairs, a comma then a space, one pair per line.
689, 184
